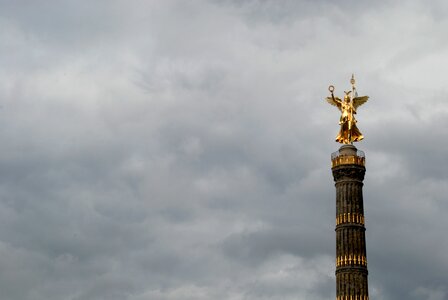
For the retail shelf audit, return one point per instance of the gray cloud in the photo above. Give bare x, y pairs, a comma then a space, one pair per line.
173, 150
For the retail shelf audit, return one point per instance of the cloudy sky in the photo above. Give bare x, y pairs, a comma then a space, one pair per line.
177, 150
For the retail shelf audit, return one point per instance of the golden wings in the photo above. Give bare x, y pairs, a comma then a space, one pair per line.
357, 101
335, 101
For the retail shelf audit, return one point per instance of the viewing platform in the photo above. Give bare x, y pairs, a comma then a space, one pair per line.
348, 155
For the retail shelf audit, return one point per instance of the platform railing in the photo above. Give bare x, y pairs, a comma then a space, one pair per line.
338, 159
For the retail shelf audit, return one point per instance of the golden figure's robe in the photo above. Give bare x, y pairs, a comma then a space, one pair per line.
347, 136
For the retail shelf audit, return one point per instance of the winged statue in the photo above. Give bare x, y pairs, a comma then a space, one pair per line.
349, 132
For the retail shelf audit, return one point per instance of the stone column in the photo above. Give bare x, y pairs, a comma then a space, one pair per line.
348, 166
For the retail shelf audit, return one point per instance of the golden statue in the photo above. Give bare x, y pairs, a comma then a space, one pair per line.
349, 133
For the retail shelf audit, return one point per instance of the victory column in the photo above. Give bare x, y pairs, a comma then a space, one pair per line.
348, 167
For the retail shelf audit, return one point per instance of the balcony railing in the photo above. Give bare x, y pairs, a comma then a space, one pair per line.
338, 159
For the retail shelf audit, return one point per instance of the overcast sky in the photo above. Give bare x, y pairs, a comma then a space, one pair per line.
177, 150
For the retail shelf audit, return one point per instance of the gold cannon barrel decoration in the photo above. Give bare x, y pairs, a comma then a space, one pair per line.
348, 218
356, 297
351, 260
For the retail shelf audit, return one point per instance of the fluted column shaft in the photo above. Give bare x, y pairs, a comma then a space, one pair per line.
351, 259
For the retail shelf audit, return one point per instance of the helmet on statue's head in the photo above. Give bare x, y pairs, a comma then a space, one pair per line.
346, 96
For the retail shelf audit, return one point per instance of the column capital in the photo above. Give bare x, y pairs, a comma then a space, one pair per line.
348, 172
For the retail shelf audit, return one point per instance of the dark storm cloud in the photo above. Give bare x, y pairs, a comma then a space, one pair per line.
174, 150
